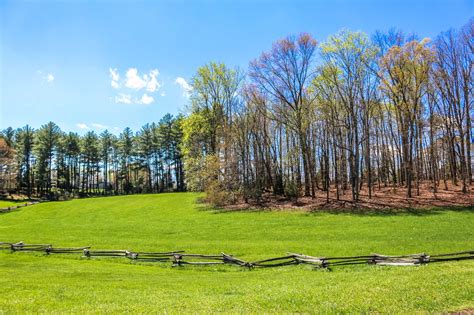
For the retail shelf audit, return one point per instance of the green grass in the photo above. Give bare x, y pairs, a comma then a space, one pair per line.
38, 283
9, 203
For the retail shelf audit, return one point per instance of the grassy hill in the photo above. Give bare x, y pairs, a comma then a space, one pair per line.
34, 282
9, 203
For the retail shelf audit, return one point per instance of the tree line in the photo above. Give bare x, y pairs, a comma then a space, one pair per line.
347, 116
50, 162
354, 113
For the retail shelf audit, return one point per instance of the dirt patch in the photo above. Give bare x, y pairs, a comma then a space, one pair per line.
383, 198
467, 311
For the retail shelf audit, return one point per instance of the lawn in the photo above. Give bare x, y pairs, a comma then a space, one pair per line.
9, 203
38, 283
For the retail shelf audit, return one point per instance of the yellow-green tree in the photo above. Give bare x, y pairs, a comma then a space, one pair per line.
404, 74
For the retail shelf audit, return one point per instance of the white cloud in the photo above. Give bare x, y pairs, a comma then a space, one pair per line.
163, 94
114, 74
115, 78
123, 98
49, 78
134, 81
114, 84
146, 99
153, 83
99, 126
82, 126
185, 86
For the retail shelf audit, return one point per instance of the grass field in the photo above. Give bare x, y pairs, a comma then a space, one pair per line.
9, 203
38, 283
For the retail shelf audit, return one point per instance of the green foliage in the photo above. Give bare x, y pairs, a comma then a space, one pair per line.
194, 167
204, 174
24, 144
207, 144
46, 141
196, 131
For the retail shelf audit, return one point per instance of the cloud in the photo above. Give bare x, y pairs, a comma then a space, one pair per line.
99, 126
115, 78
82, 126
153, 83
146, 99
49, 78
96, 126
185, 86
123, 98
114, 74
134, 81
163, 94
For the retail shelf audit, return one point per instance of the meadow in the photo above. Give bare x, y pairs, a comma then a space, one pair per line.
175, 221
10, 203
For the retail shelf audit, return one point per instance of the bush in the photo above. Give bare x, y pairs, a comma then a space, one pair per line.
205, 174
291, 189
195, 168
217, 196
253, 191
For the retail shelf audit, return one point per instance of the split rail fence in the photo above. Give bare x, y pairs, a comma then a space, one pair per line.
180, 258
18, 205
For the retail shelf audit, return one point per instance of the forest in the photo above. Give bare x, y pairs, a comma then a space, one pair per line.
51, 163
344, 117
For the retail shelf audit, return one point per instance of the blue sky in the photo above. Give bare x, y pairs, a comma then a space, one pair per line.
90, 65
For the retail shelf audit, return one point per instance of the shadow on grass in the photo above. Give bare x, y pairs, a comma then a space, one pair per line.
394, 211
17, 205
205, 207
358, 211
6, 211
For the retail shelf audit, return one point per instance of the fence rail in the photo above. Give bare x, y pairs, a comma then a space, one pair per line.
180, 257
18, 205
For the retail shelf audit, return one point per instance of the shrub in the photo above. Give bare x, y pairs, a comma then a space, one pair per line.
291, 189
217, 196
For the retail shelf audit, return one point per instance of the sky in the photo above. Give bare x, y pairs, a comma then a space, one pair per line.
95, 65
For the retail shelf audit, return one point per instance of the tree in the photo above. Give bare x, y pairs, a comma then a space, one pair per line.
284, 74
145, 149
208, 130
8, 135
90, 162
106, 141
72, 156
177, 154
453, 77
348, 57
24, 148
126, 151
404, 76
46, 143
7, 165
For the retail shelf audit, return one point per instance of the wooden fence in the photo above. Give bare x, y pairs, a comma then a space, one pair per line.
18, 205
179, 258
